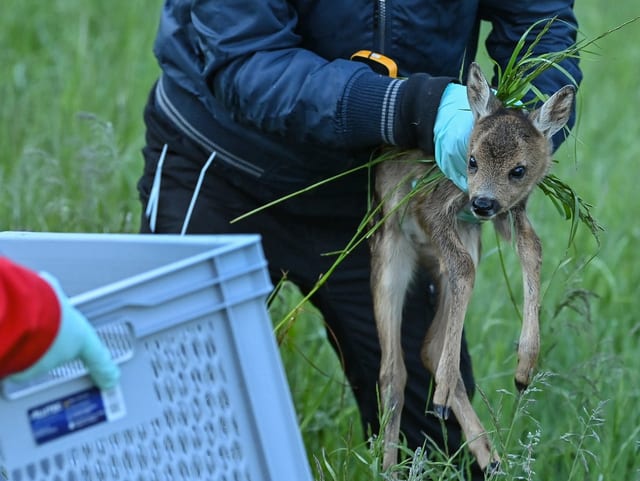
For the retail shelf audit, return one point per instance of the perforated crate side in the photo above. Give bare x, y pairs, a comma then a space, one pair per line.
204, 392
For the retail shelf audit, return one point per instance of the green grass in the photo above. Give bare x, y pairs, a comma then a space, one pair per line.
74, 82
75, 79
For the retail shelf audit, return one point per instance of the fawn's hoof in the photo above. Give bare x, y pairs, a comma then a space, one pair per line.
442, 412
520, 386
492, 468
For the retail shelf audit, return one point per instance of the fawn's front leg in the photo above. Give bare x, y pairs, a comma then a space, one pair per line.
530, 253
392, 264
459, 267
474, 432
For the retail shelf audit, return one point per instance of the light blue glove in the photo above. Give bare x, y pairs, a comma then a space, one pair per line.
76, 339
451, 133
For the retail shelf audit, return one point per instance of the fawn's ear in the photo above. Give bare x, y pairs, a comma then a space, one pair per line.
481, 98
555, 112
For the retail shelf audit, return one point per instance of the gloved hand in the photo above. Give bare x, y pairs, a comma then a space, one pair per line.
451, 133
76, 339
441, 129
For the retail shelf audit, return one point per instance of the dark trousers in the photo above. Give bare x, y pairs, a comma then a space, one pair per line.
295, 244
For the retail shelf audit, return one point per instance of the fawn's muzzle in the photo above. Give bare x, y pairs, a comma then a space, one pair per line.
484, 207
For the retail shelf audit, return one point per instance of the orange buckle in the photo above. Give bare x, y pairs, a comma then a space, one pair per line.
377, 62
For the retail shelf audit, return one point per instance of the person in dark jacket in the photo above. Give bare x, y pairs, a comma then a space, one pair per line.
260, 98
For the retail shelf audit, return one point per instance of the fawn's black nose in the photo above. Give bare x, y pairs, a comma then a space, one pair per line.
485, 207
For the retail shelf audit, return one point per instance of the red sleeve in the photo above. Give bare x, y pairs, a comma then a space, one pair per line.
29, 317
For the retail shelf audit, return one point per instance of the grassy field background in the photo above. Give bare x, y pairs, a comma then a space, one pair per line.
75, 76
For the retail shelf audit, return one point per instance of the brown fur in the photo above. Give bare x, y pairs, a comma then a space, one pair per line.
427, 231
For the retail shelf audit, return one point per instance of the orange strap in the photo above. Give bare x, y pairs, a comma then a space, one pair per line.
379, 63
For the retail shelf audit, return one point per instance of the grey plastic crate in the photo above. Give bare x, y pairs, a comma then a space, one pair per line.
202, 396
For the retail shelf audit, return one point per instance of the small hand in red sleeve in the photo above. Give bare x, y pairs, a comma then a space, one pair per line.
76, 339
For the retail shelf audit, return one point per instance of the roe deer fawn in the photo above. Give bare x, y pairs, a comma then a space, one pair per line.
509, 153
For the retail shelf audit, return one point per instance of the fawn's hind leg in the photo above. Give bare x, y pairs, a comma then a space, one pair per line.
393, 262
476, 436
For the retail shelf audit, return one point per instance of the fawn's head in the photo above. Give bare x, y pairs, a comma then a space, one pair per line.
509, 150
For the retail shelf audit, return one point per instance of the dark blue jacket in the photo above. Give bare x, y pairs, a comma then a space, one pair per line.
267, 84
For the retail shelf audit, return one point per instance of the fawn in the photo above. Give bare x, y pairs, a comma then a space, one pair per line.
509, 153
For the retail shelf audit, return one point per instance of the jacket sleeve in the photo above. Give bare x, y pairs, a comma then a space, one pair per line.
254, 64
29, 317
510, 20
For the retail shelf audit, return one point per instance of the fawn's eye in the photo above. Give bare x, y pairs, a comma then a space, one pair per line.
517, 172
473, 165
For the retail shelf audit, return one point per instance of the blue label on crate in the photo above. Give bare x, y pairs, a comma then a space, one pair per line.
72, 413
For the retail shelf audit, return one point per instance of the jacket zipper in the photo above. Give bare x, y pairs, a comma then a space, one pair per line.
382, 25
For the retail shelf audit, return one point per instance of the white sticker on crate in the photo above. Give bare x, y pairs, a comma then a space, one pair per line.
74, 412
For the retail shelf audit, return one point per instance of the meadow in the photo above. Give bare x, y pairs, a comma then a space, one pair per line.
74, 80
